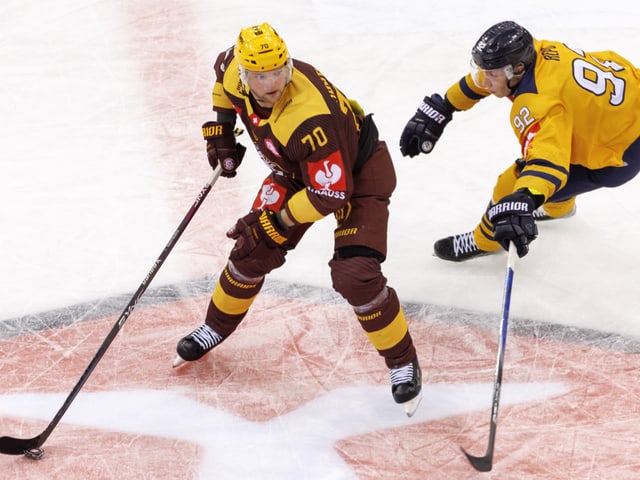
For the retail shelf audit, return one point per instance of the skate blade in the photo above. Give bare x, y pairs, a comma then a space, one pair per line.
411, 406
179, 361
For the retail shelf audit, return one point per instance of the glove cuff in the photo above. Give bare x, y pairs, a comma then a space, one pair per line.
519, 203
218, 130
269, 223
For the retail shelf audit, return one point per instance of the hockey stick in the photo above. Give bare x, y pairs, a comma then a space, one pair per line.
485, 463
31, 446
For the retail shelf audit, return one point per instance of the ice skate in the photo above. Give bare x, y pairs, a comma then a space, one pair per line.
540, 214
406, 386
458, 248
196, 345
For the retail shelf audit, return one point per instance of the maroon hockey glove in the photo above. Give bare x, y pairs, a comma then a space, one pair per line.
426, 126
259, 238
512, 219
222, 147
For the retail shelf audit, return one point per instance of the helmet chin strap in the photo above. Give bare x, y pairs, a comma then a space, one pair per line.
512, 88
517, 77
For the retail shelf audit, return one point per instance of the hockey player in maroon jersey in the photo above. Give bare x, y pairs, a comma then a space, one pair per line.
325, 158
576, 115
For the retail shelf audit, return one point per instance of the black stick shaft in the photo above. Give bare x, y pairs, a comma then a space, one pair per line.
18, 446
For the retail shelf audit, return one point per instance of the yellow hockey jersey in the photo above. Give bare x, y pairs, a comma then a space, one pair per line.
573, 107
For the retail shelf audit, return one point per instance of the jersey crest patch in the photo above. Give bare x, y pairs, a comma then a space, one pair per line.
271, 147
271, 196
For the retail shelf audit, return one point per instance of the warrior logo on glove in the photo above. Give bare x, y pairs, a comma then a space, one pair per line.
512, 219
504, 207
424, 129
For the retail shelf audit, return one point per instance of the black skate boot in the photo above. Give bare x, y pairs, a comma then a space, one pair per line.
458, 248
406, 386
196, 344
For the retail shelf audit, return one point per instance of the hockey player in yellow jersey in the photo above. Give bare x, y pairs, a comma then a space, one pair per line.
325, 158
576, 115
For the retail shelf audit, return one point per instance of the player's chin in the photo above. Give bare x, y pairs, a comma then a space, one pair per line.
272, 97
499, 93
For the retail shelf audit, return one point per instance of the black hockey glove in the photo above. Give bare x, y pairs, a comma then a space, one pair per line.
425, 127
222, 147
512, 219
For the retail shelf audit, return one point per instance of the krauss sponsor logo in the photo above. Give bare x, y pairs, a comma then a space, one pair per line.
328, 173
327, 193
269, 194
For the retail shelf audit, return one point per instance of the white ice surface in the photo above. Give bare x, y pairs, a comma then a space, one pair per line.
83, 192
86, 204
255, 450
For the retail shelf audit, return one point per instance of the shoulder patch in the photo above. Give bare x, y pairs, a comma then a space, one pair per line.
328, 174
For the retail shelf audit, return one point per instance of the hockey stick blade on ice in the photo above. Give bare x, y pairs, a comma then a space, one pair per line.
31, 447
485, 463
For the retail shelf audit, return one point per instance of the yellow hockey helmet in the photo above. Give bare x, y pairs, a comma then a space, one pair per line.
260, 48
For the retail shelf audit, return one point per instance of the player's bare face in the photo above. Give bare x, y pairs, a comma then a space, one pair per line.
267, 87
498, 81
495, 81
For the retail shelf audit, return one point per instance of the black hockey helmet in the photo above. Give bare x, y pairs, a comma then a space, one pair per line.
505, 43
